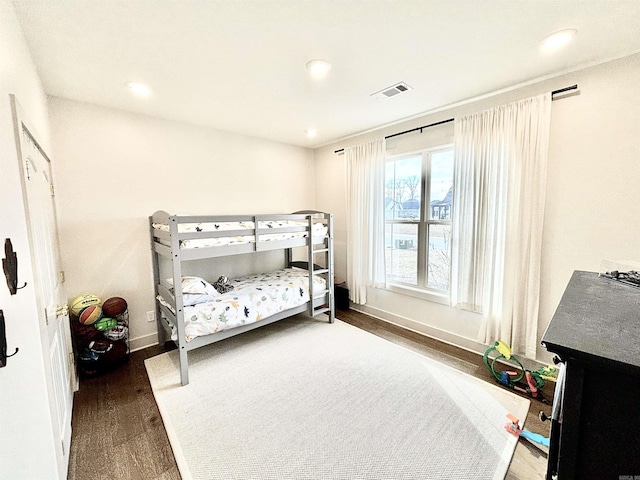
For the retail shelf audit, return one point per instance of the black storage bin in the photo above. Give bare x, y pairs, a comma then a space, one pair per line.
341, 295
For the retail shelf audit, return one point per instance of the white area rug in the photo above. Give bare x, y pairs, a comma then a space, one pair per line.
305, 399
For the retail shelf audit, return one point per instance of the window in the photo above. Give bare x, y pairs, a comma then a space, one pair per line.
418, 192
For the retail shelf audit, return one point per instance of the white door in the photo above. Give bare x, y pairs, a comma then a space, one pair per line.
45, 253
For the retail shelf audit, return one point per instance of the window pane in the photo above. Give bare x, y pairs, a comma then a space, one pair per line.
401, 242
441, 185
403, 181
439, 257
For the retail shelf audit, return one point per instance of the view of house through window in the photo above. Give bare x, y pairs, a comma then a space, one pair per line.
418, 191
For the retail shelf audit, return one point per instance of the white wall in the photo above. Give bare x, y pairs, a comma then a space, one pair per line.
27, 450
114, 169
593, 194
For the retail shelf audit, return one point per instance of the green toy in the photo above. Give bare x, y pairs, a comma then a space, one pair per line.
533, 380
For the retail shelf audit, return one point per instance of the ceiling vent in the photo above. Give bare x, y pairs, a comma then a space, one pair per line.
391, 91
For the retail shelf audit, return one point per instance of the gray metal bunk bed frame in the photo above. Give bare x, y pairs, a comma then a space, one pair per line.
166, 245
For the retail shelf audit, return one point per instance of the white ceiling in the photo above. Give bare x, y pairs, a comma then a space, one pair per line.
239, 65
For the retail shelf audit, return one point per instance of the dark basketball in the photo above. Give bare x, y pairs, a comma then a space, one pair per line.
85, 333
114, 306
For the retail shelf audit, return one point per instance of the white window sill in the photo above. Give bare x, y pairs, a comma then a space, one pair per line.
431, 296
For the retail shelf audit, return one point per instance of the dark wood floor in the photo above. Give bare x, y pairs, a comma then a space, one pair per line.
118, 432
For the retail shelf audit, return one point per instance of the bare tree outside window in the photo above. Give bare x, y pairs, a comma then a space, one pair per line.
418, 245
413, 185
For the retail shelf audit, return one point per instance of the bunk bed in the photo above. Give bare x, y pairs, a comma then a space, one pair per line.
193, 312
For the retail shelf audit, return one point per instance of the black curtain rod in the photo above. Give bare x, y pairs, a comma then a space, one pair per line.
419, 128
409, 131
562, 90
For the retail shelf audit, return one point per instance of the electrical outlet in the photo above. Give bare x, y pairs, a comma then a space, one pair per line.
151, 316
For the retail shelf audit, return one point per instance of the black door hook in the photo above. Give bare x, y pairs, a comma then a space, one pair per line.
10, 267
3, 343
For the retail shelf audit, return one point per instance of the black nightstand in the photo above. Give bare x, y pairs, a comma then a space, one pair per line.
596, 333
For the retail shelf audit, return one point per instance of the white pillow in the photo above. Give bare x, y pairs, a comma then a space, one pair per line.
189, 299
196, 290
198, 285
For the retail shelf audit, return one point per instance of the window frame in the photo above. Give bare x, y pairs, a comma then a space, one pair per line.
424, 222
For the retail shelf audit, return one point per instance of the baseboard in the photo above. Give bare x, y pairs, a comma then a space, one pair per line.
143, 341
436, 333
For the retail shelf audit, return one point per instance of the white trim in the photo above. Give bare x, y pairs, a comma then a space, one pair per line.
437, 334
143, 341
422, 294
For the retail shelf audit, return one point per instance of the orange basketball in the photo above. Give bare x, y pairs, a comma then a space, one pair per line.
90, 315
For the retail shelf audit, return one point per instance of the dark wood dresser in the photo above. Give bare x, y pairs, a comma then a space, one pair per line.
596, 333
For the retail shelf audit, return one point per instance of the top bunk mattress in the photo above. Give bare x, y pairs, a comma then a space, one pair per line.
319, 230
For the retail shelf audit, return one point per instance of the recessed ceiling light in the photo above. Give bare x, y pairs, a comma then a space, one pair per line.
318, 67
311, 132
139, 89
558, 39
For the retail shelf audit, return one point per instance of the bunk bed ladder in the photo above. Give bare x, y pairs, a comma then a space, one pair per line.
322, 301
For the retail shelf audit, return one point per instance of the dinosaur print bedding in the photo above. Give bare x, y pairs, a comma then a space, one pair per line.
252, 298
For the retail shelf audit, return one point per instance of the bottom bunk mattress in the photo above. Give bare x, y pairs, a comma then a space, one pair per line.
252, 298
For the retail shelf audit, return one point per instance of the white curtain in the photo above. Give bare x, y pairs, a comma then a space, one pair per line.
365, 218
499, 195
